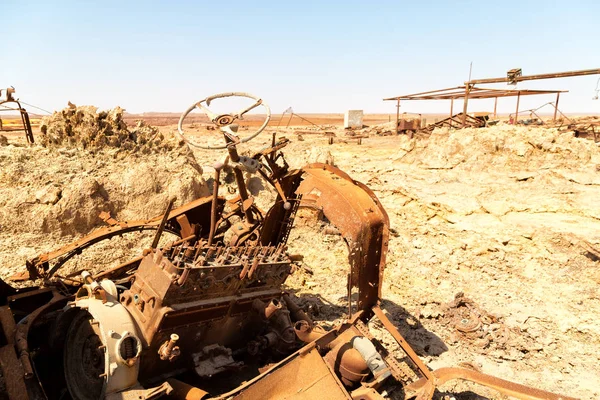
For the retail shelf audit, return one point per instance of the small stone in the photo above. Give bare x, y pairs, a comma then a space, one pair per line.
49, 195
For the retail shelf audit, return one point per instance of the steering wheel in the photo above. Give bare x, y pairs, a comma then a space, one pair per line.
223, 121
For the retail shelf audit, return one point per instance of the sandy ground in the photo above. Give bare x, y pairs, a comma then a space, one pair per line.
491, 259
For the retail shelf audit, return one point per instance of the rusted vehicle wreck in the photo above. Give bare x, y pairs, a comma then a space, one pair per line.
206, 316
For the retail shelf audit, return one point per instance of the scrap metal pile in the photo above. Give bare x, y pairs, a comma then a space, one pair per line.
207, 316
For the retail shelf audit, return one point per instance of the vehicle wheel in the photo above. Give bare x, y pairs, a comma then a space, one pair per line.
84, 359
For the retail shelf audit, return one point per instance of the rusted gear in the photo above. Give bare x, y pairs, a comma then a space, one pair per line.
469, 324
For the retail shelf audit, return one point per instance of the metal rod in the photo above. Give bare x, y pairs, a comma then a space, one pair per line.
213, 215
465, 105
163, 222
556, 107
421, 93
517, 112
397, 116
239, 179
536, 77
451, 107
389, 326
304, 119
495, 105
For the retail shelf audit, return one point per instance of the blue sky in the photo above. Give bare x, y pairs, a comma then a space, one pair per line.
315, 56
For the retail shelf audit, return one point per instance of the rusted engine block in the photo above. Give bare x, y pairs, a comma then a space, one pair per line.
188, 289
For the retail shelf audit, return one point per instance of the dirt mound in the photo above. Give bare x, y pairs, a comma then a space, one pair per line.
53, 196
503, 146
85, 128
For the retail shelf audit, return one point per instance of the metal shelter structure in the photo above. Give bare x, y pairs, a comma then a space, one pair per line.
11, 105
515, 75
472, 92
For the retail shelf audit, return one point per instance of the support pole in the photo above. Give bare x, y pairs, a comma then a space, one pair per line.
517, 112
495, 105
465, 104
556, 107
397, 115
451, 107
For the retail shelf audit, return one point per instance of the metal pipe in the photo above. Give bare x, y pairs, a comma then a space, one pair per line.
517, 112
536, 77
213, 216
305, 333
556, 106
163, 222
271, 308
495, 105
172, 340
296, 312
169, 350
451, 107
239, 179
397, 116
508, 388
465, 104
183, 391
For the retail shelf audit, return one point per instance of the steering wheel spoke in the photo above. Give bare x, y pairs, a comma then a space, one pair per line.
223, 121
211, 115
243, 111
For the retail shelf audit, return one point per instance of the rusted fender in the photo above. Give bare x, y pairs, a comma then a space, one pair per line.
355, 210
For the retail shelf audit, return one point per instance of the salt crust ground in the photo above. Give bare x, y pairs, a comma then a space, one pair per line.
502, 215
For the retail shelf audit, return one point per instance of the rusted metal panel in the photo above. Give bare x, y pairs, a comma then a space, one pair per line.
305, 377
412, 124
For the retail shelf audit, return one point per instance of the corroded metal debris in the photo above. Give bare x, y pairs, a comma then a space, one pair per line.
207, 315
